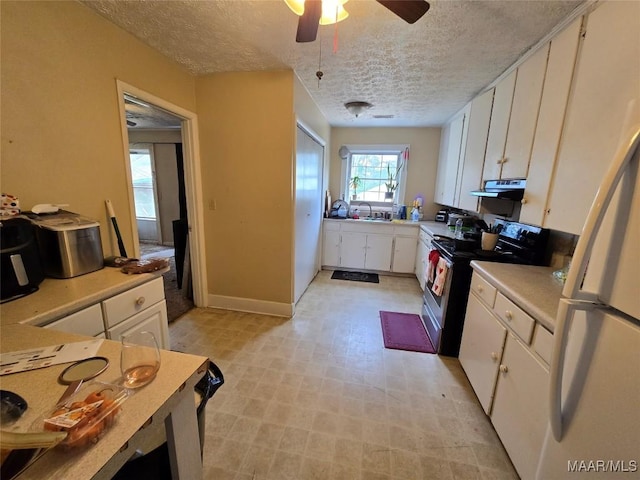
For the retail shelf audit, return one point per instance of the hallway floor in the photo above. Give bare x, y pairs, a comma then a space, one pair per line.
319, 397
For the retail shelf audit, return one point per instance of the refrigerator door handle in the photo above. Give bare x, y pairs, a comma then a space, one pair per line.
592, 225
566, 308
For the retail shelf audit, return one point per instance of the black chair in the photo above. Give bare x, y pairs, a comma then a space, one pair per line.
155, 464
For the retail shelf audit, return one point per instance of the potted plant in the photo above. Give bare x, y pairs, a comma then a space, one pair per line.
392, 182
355, 183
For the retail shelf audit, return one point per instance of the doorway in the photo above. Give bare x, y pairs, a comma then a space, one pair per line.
169, 225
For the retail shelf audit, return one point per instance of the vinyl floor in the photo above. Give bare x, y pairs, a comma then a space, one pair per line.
318, 396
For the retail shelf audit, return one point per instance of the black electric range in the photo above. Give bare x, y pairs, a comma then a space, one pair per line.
443, 314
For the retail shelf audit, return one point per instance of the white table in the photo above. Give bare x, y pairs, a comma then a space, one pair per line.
168, 401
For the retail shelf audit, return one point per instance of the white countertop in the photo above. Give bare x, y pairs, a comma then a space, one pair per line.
59, 297
534, 289
436, 228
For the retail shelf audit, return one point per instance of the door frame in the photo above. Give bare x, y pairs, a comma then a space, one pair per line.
192, 179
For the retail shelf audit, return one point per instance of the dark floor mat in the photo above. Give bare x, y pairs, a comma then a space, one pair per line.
355, 276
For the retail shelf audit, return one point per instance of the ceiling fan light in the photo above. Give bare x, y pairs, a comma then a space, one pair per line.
328, 10
296, 6
329, 15
357, 108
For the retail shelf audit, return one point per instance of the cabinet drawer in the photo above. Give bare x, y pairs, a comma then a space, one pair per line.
367, 227
515, 318
85, 322
543, 343
483, 289
128, 303
425, 237
406, 231
333, 226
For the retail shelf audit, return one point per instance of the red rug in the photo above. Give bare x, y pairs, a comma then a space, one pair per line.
405, 331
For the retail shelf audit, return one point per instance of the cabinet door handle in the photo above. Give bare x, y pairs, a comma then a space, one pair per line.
508, 314
504, 369
523, 201
494, 356
140, 300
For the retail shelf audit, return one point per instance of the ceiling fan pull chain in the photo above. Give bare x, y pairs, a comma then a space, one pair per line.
319, 73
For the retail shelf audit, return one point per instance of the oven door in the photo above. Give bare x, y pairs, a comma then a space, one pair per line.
434, 306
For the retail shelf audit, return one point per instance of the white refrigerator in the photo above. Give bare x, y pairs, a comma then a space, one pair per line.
594, 403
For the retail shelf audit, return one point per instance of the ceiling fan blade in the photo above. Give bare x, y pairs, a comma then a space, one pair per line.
409, 10
309, 21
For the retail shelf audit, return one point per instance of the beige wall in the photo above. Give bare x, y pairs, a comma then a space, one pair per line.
247, 141
60, 123
423, 161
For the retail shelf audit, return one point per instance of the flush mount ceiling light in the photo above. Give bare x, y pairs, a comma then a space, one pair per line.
357, 108
332, 10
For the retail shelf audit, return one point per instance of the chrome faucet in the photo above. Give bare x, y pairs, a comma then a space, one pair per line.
370, 209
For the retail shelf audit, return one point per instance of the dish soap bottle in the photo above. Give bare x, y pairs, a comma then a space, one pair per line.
459, 235
415, 214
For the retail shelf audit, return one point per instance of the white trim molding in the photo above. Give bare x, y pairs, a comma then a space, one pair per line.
251, 305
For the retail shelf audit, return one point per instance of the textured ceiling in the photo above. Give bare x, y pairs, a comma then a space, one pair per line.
421, 73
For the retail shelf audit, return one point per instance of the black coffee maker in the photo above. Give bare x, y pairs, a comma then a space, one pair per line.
21, 270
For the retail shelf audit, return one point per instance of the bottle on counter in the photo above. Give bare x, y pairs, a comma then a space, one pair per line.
415, 214
458, 232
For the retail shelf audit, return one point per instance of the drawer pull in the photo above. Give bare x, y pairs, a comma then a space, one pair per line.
494, 356
508, 314
480, 289
140, 301
504, 369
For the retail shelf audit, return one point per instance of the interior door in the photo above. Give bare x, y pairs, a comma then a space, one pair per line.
167, 188
308, 210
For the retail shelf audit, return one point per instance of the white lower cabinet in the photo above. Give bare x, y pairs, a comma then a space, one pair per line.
353, 249
481, 350
87, 321
520, 411
367, 251
381, 246
331, 248
422, 257
138, 309
142, 308
152, 319
404, 254
506, 366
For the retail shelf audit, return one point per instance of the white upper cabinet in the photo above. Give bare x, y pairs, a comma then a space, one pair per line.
498, 127
555, 94
473, 162
452, 141
524, 115
598, 115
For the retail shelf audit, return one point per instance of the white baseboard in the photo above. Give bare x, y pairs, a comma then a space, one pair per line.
250, 305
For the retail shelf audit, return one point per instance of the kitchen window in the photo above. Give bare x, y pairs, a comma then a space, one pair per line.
367, 173
143, 182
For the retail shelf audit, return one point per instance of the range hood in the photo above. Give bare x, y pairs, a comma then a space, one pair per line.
507, 189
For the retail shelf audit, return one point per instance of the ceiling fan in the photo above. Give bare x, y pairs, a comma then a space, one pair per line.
409, 10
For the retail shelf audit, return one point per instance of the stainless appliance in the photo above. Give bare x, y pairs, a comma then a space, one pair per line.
506, 189
443, 315
594, 421
69, 244
20, 262
442, 216
468, 221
